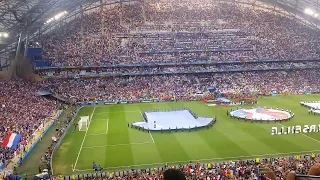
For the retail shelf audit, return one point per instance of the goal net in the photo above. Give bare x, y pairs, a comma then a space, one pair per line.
83, 123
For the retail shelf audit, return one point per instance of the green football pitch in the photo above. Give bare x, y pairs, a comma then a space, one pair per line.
112, 144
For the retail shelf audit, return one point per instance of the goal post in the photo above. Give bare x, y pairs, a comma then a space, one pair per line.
83, 123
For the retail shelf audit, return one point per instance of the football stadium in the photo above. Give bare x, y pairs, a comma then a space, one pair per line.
159, 89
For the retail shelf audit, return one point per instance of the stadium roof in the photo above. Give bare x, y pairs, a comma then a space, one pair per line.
30, 15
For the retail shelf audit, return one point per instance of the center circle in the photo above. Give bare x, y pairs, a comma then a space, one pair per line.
262, 114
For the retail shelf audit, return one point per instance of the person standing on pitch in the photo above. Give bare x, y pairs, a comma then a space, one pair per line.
94, 166
75, 127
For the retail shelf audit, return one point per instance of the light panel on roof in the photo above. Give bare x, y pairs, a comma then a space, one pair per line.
309, 11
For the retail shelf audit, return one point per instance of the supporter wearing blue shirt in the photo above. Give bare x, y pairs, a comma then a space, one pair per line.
94, 166
17, 177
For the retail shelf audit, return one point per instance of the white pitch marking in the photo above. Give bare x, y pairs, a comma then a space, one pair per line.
84, 138
151, 137
202, 160
149, 130
112, 145
116, 112
99, 134
100, 119
303, 134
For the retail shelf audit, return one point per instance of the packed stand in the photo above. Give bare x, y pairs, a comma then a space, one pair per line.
259, 169
21, 112
179, 31
186, 87
61, 126
116, 71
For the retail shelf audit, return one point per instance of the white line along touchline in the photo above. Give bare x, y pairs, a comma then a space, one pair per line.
84, 138
212, 159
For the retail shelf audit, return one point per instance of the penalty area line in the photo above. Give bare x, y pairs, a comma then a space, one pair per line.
303, 134
112, 112
99, 134
202, 160
99, 119
113, 145
84, 138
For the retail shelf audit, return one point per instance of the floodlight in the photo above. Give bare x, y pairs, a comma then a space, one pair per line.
316, 15
5, 34
56, 17
0, 34
309, 11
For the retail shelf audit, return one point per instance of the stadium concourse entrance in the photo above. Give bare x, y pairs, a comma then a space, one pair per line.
52, 96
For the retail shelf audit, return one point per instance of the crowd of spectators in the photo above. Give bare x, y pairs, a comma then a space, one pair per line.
257, 169
168, 31
171, 31
186, 87
21, 112
61, 125
174, 69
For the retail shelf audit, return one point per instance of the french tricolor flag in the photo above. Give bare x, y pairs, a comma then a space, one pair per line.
12, 140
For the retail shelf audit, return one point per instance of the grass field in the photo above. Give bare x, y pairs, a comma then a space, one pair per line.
114, 146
